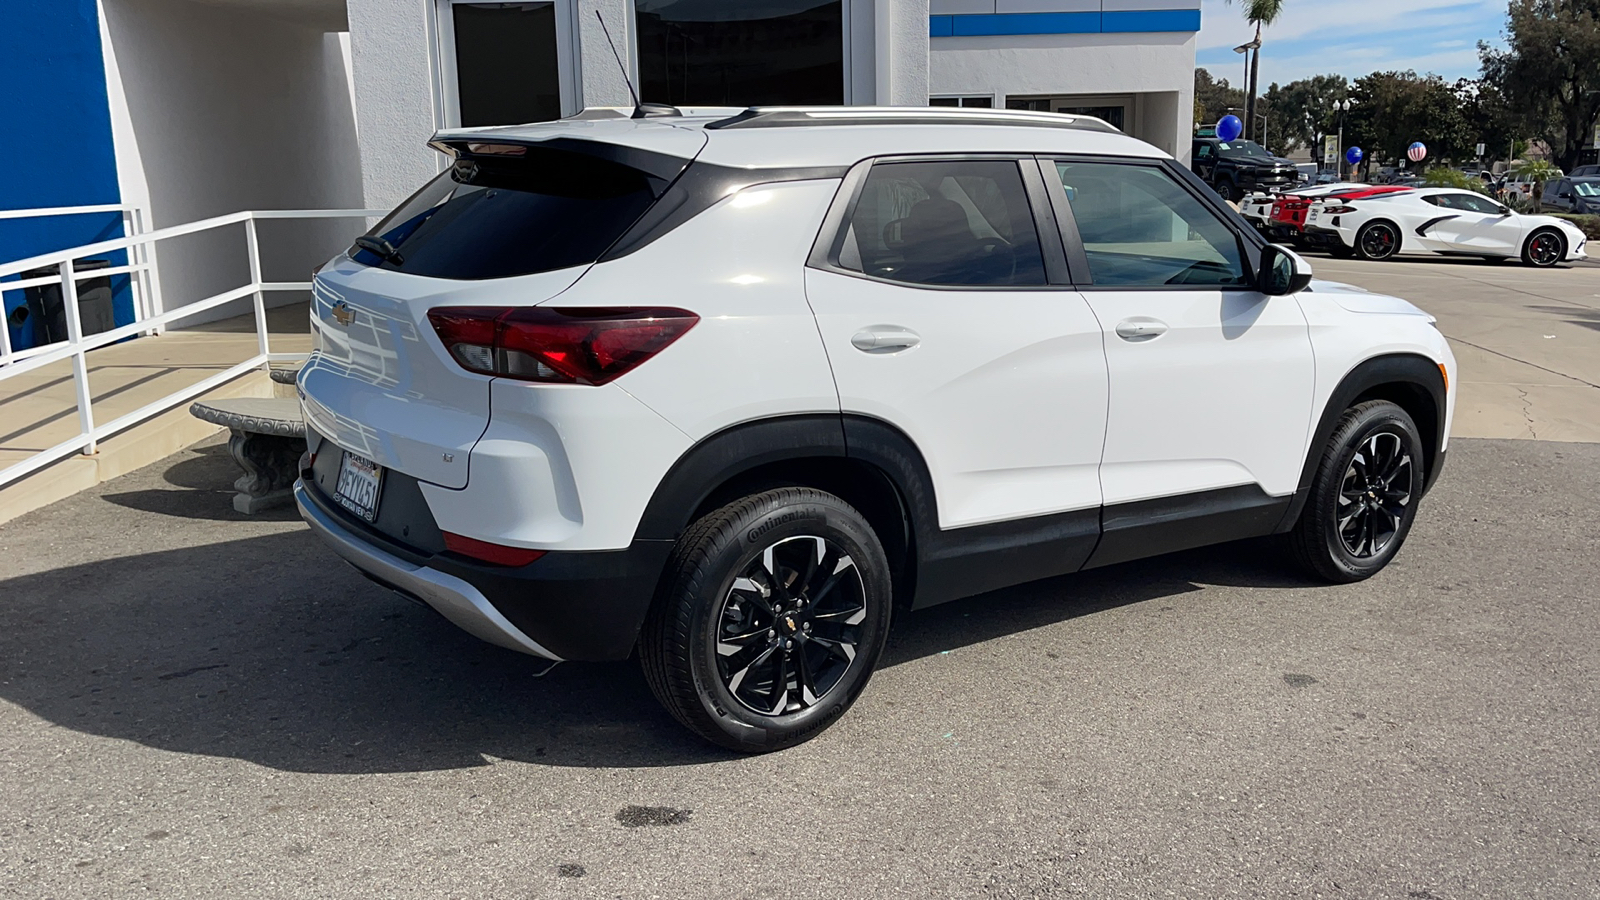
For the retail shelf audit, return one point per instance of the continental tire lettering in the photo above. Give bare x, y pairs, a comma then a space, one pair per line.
782, 519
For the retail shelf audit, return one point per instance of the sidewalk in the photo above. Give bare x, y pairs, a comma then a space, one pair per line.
39, 410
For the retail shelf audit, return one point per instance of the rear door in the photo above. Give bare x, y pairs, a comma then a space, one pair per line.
1211, 380
941, 316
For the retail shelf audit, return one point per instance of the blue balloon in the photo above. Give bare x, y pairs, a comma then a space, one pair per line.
1229, 128
1353, 155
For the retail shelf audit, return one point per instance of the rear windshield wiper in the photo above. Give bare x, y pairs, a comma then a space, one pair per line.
381, 248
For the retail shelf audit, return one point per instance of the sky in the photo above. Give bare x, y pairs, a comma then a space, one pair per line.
1352, 38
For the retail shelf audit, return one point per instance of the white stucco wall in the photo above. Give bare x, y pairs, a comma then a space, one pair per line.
1159, 64
397, 85
219, 109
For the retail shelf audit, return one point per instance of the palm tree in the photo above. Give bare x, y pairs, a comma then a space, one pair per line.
1258, 13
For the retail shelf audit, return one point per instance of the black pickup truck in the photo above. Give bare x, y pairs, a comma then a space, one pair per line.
1235, 168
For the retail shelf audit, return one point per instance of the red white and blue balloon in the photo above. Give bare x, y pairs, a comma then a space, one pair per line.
1417, 152
1229, 127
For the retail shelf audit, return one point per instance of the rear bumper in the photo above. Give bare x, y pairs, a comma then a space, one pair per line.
565, 606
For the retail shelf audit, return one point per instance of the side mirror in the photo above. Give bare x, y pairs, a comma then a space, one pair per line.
1564, 195
1283, 272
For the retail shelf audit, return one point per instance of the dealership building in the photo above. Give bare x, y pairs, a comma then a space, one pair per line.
185, 109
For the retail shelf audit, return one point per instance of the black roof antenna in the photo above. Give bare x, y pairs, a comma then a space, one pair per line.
640, 110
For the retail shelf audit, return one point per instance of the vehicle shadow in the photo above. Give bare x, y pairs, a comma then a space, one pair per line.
271, 651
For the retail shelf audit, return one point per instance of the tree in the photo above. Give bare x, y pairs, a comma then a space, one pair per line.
1300, 110
1214, 97
1258, 13
1537, 171
1394, 109
1550, 72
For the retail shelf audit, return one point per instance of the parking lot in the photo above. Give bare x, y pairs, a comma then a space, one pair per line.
199, 704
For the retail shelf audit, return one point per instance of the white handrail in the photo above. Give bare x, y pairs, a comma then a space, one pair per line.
45, 212
149, 316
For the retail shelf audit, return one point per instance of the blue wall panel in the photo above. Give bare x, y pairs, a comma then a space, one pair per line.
57, 120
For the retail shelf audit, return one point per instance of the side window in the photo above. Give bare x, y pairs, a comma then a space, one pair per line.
1437, 200
1474, 203
1204, 152
949, 223
1142, 229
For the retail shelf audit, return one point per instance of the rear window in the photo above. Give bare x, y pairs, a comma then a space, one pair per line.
511, 215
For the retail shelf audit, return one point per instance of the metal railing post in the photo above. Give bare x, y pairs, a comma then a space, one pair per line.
5, 333
152, 273
80, 361
141, 309
255, 281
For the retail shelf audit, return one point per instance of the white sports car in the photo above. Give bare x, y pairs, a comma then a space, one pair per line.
1257, 207
1443, 221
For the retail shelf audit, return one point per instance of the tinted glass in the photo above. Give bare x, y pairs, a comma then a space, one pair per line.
1243, 149
506, 71
741, 52
1476, 203
1142, 229
495, 218
949, 223
1586, 188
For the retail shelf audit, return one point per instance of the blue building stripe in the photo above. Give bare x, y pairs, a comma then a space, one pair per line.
1126, 21
1150, 20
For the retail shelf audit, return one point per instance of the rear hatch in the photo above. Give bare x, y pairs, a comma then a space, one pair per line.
516, 219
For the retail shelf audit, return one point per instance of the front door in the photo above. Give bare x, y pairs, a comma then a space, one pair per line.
1211, 380
1480, 225
939, 319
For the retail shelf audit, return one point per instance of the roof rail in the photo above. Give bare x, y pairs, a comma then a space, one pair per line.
791, 116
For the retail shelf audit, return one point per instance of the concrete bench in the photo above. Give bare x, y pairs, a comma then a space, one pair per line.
268, 438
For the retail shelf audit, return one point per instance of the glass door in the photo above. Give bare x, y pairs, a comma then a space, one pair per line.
505, 63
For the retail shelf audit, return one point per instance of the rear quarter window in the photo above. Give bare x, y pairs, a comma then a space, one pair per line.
500, 217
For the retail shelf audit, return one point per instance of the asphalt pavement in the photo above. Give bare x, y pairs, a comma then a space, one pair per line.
197, 704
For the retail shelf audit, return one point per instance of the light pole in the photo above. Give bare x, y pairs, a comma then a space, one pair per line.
1341, 107
1249, 84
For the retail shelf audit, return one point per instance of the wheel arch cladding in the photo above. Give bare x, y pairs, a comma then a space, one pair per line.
1408, 380
802, 451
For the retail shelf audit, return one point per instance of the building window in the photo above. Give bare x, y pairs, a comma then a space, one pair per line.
738, 53
505, 63
984, 102
1112, 115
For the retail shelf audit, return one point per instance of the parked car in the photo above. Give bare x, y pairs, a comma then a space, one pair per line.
1444, 221
1574, 194
627, 385
1307, 173
1235, 168
1589, 171
1522, 186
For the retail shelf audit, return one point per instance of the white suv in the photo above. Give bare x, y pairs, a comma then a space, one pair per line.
729, 387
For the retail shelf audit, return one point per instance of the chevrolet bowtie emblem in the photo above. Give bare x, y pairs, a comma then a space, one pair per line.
342, 313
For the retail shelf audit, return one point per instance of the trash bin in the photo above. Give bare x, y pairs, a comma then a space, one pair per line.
49, 314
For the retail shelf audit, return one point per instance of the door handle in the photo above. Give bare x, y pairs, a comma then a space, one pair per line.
884, 339
1140, 329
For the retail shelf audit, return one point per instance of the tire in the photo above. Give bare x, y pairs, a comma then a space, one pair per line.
751, 642
1543, 249
1378, 240
1228, 191
1373, 463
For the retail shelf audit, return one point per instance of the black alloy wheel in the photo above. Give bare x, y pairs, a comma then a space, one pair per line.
1364, 496
790, 626
1374, 495
770, 617
1378, 240
1544, 249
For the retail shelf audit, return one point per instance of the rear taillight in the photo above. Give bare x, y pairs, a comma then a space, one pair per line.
1339, 210
483, 551
561, 346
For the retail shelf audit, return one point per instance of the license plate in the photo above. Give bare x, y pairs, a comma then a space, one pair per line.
359, 482
1314, 215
